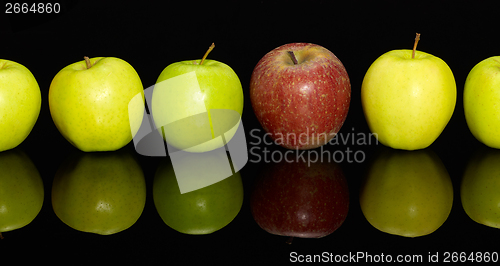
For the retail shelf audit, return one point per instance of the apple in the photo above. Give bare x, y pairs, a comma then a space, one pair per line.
21, 190
185, 94
202, 211
101, 193
300, 93
93, 103
481, 97
479, 190
406, 193
299, 199
408, 98
20, 103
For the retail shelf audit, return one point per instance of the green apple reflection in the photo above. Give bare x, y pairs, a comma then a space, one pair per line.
21, 190
199, 212
406, 193
102, 193
480, 188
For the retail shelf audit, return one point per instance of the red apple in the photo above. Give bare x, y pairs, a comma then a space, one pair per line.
300, 93
300, 200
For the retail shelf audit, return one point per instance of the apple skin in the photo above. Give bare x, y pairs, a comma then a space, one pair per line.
20, 103
408, 102
301, 106
406, 193
220, 88
300, 200
479, 190
481, 98
90, 107
101, 193
21, 190
198, 212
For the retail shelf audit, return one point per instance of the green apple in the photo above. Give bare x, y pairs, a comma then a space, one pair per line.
183, 97
199, 212
480, 188
406, 193
408, 98
93, 103
21, 190
102, 193
481, 98
20, 102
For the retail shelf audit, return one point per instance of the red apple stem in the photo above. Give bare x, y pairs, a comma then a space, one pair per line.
289, 241
87, 60
417, 38
208, 51
294, 59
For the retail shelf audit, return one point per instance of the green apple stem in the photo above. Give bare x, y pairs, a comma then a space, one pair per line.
208, 51
417, 38
294, 59
289, 241
87, 60
1, 237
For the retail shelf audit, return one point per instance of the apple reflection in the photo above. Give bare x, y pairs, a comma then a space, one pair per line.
406, 193
201, 211
300, 199
480, 187
21, 190
101, 193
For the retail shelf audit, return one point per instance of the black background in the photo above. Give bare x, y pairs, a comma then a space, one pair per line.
151, 36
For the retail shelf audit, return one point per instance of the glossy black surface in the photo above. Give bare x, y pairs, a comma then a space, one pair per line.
151, 36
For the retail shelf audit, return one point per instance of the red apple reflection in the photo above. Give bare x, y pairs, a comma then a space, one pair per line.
300, 199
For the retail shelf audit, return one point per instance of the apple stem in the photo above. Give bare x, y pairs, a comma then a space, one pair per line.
289, 241
294, 59
87, 60
1, 237
417, 38
208, 51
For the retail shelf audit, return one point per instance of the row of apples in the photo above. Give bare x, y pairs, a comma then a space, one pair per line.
300, 90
